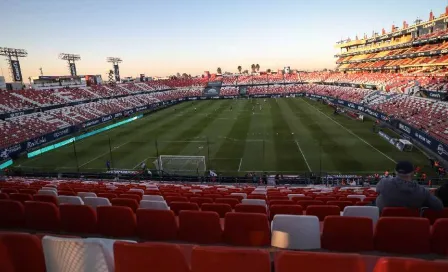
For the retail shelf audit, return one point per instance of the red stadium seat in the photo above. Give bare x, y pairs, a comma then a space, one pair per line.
222, 259
352, 200
9, 191
237, 197
221, 209
149, 257
213, 196
402, 235
12, 214
125, 202
46, 198
281, 202
156, 225
128, 195
4, 196
409, 265
109, 196
28, 191
42, 216
288, 261
201, 200
245, 208
231, 201
306, 203
23, 252
247, 229
400, 212
200, 227
439, 237
78, 218
66, 193
340, 204
349, 234
325, 199
176, 207
21, 197
116, 221
170, 199
301, 198
434, 215
284, 209
322, 211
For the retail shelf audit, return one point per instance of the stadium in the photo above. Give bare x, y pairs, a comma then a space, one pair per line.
277, 170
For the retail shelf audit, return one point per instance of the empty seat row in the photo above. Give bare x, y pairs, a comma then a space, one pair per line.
24, 253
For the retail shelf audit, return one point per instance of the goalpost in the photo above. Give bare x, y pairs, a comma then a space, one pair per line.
181, 165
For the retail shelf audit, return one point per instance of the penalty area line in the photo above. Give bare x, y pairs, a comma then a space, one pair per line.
239, 167
303, 155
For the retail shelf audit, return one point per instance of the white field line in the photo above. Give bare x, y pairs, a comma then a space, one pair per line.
351, 132
140, 163
239, 167
303, 155
101, 155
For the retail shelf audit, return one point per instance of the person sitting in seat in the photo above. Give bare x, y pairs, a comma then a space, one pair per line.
402, 191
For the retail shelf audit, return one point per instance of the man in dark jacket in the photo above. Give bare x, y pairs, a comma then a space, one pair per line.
401, 191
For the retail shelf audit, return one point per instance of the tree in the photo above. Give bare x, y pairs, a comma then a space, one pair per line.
268, 70
185, 75
219, 71
252, 67
178, 75
240, 68
257, 67
246, 72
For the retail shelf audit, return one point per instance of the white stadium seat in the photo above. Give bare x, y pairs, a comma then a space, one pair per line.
86, 194
96, 202
362, 211
239, 194
259, 202
153, 197
48, 192
76, 200
154, 205
295, 232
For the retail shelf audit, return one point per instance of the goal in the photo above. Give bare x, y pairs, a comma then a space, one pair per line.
181, 165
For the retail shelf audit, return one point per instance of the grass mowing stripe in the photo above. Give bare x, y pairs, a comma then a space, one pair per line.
339, 154
199, 125
351, 132
284, 142
230, 147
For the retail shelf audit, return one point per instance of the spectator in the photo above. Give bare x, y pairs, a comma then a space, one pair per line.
442, 194
401, 191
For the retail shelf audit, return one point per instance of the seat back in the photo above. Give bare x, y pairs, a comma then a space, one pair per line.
21, 197
12, 214
363, 211
154, 205
86, 194
42, 216
23, 252
78, 218
340, 204
258, 202
409, 265
322, 211
200, 227
68, 254
306, 203
288, 261
247, 229
296, 232
439, 237
349, 234
108, 216
284, 209
95, 202
400, 212
402, 235
201, 200
170, 199
176, 207
47, 192
75, 200
224, 259
149, 256
434, 215
156, 225
153, 198
244, 195
46, 198
136, 197
291, 196
246, 208
231, 201
220, 208
125, 202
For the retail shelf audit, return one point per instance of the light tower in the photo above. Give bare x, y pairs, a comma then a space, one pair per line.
71, 59
115, 62
12, 55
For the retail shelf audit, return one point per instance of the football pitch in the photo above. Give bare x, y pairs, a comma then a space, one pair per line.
236, 136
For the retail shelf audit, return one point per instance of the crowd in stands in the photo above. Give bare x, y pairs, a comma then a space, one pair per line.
326, 224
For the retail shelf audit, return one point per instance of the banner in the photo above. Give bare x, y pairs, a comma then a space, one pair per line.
117, 73
424, 139
16, 71
72, 67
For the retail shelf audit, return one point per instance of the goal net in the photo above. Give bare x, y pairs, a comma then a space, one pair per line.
181, 165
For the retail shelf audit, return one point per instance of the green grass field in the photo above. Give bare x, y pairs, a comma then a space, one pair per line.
287, 135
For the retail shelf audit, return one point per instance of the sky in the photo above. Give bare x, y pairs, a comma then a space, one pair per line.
164, 37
